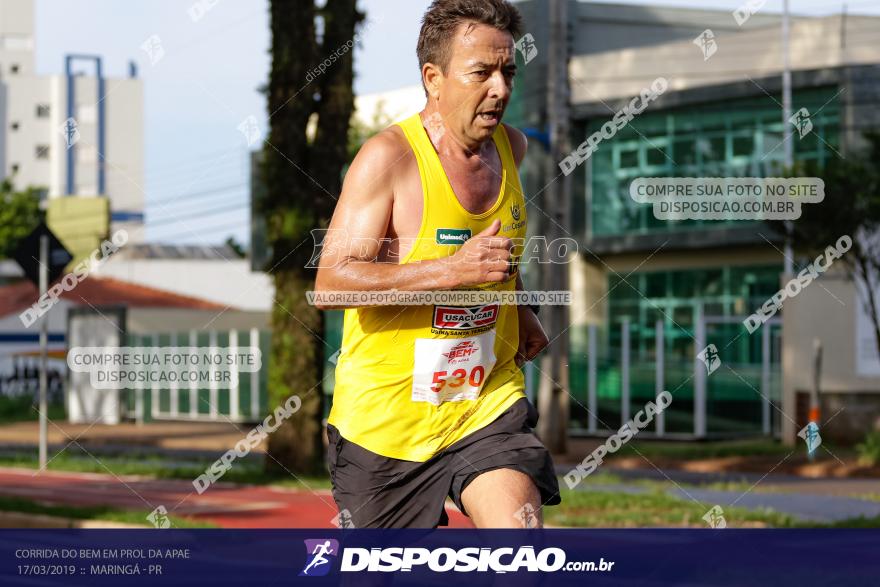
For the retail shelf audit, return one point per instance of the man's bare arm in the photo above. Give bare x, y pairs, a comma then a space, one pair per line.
361, 220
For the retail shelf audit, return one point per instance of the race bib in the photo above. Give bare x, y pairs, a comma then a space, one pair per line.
452, 369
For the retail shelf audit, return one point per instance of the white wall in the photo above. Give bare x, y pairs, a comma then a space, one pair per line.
16, 36
826, 310
11, 326
230, 283
22, 94
815, 43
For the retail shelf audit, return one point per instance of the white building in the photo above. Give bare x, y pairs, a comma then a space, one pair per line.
105, 136
214, 274
385, 108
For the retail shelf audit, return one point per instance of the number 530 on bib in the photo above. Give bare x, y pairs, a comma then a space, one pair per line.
452, 369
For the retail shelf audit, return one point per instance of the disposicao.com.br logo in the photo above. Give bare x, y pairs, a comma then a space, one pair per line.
442, 559
319, 556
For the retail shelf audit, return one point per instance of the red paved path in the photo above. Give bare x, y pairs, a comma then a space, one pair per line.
227, 505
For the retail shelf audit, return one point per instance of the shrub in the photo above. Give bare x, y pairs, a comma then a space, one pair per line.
869, 450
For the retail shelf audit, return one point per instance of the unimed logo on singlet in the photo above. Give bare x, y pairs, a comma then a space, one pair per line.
464, 320
453, 236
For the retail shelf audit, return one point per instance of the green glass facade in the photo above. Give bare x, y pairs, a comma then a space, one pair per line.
674, 299
737, 138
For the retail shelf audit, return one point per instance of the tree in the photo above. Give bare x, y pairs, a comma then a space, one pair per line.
360, 132
19, 215
310, 80
851, 207
235, 246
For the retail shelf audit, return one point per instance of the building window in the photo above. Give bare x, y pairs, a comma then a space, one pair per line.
14, 126
737, 138
13, 68
42, 111
42, 152
673, 298
14, 167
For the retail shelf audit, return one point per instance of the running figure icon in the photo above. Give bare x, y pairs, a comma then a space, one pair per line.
319, 556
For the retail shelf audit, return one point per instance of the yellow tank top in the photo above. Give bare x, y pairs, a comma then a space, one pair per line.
412, 380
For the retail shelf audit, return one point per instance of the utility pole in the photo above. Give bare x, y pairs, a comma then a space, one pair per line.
43, 258
44, 352
553, 395
786, 116
815, 414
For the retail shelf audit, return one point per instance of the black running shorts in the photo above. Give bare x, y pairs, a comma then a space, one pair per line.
381, 492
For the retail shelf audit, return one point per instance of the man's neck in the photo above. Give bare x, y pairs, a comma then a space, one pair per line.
444, 139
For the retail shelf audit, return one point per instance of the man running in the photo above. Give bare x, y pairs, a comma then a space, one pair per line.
318, 556
429, 399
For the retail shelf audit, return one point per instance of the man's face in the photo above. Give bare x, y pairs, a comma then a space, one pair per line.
479, 79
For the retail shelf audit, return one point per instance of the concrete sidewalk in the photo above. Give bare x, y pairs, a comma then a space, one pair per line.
777, 483
812, 500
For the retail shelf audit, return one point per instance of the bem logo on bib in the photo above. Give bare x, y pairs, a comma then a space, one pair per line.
462, 319
461, 351
452, 369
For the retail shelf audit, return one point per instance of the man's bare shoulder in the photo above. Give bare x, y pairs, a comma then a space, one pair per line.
384, 153
382, 165
518, 143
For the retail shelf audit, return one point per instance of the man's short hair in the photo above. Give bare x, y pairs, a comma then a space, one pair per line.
443, 17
